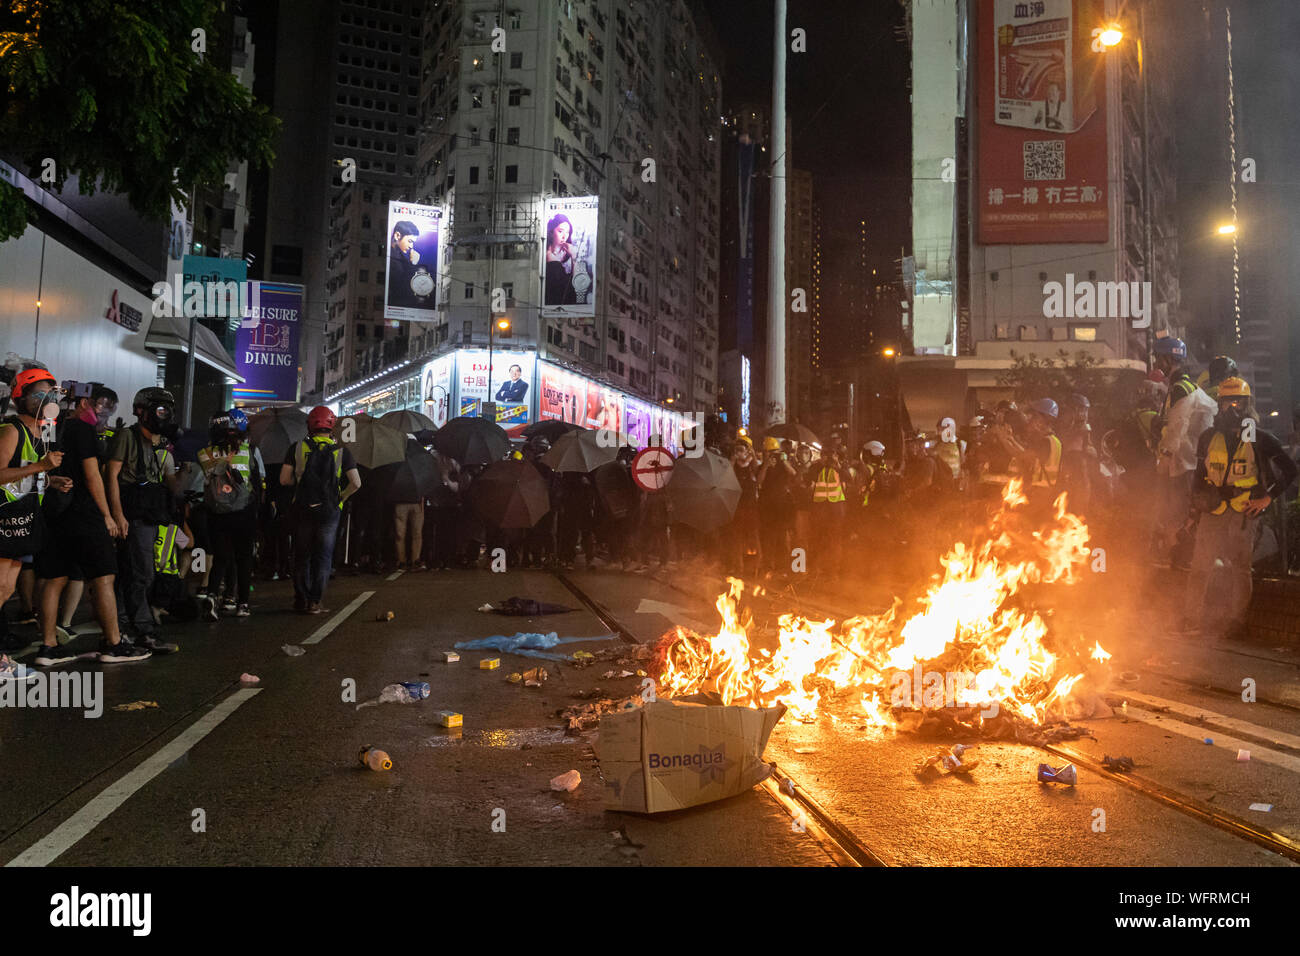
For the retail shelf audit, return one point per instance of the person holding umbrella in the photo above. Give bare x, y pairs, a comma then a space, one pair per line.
316, 466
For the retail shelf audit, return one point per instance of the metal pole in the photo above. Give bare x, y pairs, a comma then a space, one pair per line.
482, 411
1146, 178
189, 373
776, 306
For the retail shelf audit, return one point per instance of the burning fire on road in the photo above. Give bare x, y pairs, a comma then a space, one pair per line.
972, 643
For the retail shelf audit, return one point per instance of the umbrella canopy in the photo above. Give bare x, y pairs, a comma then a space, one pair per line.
704, 491
510, 494
582, 451
550, 428
373, 445
472, 441
407, 422
417, 477
276, 430
794, 432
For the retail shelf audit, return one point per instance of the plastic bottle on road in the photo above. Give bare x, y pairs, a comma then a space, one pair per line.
418, 689
375, 759
395, 694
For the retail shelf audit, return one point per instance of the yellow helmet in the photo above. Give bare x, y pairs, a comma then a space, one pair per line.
1234, 388
746, 439
771, 444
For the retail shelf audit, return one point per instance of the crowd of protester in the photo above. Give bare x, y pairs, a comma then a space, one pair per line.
157, 525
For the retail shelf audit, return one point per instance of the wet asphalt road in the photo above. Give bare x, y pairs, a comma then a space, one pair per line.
277, 779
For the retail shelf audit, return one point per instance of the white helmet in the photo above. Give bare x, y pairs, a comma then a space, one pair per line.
874, 448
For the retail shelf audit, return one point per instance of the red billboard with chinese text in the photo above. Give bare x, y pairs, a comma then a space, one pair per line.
1041, 103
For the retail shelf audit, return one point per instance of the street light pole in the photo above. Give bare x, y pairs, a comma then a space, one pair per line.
776, 305
492, 323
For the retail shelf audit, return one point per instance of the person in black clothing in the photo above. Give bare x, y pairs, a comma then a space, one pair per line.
778, 483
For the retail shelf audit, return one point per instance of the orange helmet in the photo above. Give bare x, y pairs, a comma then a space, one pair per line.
320, 418
29, 377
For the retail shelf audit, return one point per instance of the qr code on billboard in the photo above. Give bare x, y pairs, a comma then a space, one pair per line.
1045, 159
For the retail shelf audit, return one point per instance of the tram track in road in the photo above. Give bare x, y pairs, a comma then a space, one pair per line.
1151, 789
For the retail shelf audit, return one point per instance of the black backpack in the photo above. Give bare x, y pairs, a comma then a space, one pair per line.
319, 483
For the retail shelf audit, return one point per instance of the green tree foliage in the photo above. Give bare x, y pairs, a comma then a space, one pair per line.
1034, 376
114, 93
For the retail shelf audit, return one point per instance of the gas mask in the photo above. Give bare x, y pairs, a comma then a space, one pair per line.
1230, 416
104, 410
160, 419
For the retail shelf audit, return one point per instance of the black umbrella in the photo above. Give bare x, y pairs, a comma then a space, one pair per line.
794, 432
472, 441
407, 421
510, 494
615, 488
417, 477
276, 430
704, 491
550, 429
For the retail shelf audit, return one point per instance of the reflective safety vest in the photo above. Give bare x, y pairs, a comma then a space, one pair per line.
1179, 389
164, 549
866, 484
240, 460
949, 452
828, 487
300, 460
1241, 470
24, 454
1045, 474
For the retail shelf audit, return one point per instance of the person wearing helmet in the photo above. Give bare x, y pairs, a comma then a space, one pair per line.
745, 537
1041, 461
870, 478
140, 475
1080, 463
1220, 367
233, 483
1186, 414
950, 452
1240, 470
316, 466
777, 485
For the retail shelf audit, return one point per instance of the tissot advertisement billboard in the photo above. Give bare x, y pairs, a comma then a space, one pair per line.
411, 283
569, 257
1041, 102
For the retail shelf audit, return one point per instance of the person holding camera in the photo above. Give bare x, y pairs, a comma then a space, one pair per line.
142, 489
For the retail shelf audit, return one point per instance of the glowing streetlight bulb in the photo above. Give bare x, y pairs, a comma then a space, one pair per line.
1110, 36
1227, 229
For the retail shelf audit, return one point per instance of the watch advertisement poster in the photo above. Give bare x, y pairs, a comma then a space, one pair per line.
411, 286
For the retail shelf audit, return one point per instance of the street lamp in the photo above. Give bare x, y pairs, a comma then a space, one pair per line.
1228, 229
1110, 36
503, 326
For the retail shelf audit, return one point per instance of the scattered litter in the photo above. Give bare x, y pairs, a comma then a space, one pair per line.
395, 694
583, 656
385, 616
418, 689
515, 678
137, 705
567, 781
787, 787
525, 607
580, 717
535, 677
375, 759
530, 644
450, 657
1209, 741
1066, 775
249, 679
489, 663
1130, 677
449, 718
1243, 756
1262, 807
1124, 708
640, 673
1117, 764
610, 675
292, 650
805, 750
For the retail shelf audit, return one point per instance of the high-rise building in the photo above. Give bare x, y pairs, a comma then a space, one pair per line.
801, 289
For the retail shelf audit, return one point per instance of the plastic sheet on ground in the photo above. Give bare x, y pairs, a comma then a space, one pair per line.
530, 644
525, 607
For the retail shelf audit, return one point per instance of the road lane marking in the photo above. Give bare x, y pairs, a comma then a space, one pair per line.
324, 630
1223, 720
1257, 752
672, 612
394, 576
80, 824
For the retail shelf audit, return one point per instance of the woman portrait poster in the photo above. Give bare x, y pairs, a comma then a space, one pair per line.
567, 261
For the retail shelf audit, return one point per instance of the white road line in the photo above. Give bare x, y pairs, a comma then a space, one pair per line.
324, 630
77, 826
1261, 754
394, 576
1223, 720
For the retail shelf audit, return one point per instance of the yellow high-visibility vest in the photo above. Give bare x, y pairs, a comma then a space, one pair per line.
26, 456
828, 487
1241, 469
949, 452
1045, 474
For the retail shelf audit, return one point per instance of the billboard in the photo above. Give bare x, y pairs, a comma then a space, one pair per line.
411, 283
569, 257
1041, 103
266, 343
435, 389
570, 397
512, 378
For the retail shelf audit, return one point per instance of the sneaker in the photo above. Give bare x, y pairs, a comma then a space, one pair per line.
275, 575
122, 652
53, 656
242, 611
154, 643
315, 608
12, 670
208, 608
228, 606
64, 634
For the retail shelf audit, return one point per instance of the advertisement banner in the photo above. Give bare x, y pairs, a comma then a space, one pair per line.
569, 257
411, 283
266, 344
435, 389
512, 377
1041, 101
562, 396
570, 397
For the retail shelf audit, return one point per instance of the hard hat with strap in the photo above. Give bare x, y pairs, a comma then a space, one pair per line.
1234, 388
1240, 471
771, 444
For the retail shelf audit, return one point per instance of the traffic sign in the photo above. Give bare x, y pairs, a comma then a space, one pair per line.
652, 467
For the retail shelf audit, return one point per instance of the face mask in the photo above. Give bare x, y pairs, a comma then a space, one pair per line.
88, 416
103, 414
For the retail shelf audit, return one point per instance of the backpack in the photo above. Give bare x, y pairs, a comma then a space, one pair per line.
319, 482
225, 490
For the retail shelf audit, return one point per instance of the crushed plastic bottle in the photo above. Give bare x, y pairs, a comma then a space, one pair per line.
375, 759
567, 781
418, 689
395, 694
293, 650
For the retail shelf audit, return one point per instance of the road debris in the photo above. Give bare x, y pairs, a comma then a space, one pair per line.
582, 717
395, 694
530, 644
418, 689
293, 650
137, 705
1208, 741
489, 663
567, 782
1262, 807
535, 677
249, 679
1117, 764
385, 616
449, 657
449, 718
375, 759
524, 607
1066, 775
1243, 756
611, 675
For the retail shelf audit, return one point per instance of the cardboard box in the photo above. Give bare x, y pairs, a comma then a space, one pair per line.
449, 718
489, 664
672, 754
